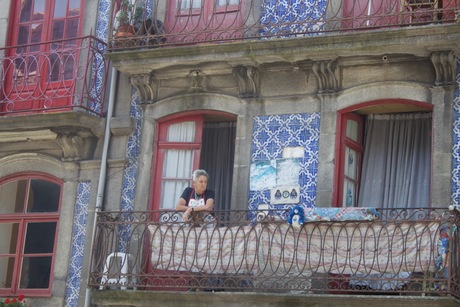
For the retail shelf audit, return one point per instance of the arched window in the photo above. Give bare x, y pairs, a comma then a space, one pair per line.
29, 218
189, 142
383, 155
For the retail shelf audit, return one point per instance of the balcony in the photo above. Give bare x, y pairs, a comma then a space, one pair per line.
57, 76
380, 252
188, 22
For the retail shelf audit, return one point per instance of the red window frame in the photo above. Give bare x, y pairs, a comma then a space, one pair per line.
342, 143
161, 145
29, 94
23, 219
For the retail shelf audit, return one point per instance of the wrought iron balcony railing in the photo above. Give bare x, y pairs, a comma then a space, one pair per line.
388, 251
53, 76
152, 23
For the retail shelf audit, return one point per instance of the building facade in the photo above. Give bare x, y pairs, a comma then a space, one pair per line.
317, 103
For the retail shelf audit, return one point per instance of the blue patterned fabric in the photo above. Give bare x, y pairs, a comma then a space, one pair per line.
340, 214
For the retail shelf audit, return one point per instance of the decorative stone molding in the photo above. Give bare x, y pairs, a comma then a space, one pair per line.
444, 63
325, 72
72, 145
248, 78
146, 86
77, 143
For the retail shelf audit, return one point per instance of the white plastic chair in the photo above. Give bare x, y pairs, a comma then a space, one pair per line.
125, 261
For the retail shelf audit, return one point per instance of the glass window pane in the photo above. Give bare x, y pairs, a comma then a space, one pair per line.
40, 238
350, 164
6, 271
181, 132
9, 233
352, 130
187, 4
171, 191
35, 273
227, 2
349, 190
71, 28
26, 10
69, 67
44, 196
58, 30
36, 34
39, 9
12, 196
178, 163
74, 7
60, 8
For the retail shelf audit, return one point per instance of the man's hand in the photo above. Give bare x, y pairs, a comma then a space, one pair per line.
187, 214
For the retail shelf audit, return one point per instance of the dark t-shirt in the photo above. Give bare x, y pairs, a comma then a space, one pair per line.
190, 193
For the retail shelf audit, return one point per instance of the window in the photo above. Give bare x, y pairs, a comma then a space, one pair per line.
40, 66
364, 13
29, 217
384, 159
204, 20
351, 152
187, 143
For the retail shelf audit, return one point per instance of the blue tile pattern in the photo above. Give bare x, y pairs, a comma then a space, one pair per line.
271, 134
290, 16
130, 172
456, 144
78, 244
83, 190
98, 67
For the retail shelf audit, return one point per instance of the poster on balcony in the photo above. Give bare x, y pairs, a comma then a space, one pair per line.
287, 172
263, 175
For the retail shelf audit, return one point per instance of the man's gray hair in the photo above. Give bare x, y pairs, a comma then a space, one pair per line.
199, 172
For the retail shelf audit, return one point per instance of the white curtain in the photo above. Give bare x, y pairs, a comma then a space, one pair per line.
397, 161
177, 164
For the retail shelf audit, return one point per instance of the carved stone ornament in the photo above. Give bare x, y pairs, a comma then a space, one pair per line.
71, 144
325, 72
146, 86
444, 63
248, 79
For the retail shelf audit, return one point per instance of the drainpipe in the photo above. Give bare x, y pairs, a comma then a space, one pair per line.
103, 171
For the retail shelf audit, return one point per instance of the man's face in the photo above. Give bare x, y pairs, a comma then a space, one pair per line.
200, 184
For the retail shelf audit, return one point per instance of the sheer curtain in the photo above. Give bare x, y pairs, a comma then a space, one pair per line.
397, 161
217, 155
177, 164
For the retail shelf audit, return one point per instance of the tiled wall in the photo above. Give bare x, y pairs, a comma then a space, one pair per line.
271, 136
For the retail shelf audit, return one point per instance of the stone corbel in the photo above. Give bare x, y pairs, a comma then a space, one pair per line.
77, 144
146, 86
248, 79
325, 72
444, 63
71, 144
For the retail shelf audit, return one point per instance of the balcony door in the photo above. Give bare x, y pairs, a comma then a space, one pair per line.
205, 141
40, 67
204, 20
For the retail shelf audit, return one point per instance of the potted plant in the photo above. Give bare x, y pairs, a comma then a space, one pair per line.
126, 18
